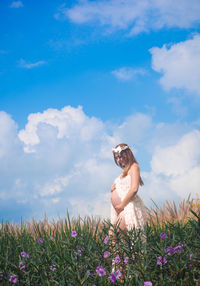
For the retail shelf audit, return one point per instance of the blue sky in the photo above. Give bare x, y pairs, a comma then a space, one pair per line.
79, 77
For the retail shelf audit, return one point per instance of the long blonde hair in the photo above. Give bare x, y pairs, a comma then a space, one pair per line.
129, 160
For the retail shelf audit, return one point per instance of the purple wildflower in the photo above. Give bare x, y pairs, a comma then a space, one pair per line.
163, 235
106, 254
112, 277
161, 260
53, 267
170, 250
88, 272
74, 233
21, 265
177, 248
115, 275
118, 274
126, 259
147, 283
51, 238
13, 279
100, 270
40, 240
1, 276
24, 254
190, 256
185, 266
78, 252
106, 239
117, 259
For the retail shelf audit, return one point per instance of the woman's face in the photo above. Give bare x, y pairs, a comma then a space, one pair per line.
120, 159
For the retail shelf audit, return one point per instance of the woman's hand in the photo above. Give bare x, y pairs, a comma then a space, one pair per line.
113, 187
119, 208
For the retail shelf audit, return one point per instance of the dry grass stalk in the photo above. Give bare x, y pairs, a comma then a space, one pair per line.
168, 213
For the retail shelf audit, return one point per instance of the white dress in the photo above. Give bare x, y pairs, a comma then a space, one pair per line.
135, 212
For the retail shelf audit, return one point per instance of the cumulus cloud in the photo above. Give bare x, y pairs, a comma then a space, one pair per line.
62, 160
132, 15
16, 4
28, 65
178, 159
175, 169
127, 73
179, 64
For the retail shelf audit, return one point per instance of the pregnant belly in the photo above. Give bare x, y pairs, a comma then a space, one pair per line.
115, 199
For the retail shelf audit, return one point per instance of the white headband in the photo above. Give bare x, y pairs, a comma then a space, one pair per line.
119, 149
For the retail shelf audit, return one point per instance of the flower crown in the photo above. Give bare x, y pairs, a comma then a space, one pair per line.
120, 149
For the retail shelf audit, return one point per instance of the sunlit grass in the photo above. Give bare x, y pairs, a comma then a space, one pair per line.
74, 252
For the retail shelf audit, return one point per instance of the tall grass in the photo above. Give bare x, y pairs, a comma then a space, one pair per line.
83, 252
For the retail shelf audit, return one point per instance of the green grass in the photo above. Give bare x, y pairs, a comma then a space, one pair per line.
76, 258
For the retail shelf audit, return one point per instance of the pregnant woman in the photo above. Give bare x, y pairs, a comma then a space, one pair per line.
126, 205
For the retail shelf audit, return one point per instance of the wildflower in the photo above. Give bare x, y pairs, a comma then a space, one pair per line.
163, 235
112, 277
78, 252
126, 259
185, 266
40, 240
190, 256
106, 254
13, 279
147, 283
1, 276
53, 267
21, 265
117, 259
51, 238
118, 274
106, 239
88, 272
161, 260
100, 270
170, 250
24, 254
74, 233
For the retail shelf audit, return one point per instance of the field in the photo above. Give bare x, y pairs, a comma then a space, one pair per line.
83, 251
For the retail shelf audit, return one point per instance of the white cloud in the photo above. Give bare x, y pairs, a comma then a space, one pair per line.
132, 15
70, 123
16, 4
179, 64
71, 164
127, 73
24, 64
178, 159
175, 169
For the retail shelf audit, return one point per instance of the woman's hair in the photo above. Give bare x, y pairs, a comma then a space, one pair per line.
128, 158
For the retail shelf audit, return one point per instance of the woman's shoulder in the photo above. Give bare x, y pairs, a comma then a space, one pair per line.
134, 167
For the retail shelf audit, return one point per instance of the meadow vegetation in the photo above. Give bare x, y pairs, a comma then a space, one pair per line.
86, 252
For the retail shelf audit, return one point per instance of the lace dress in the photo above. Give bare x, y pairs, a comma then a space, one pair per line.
135, 212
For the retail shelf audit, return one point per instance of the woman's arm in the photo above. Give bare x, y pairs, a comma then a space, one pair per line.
135, 180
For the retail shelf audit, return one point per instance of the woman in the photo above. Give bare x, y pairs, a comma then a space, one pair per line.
126, 205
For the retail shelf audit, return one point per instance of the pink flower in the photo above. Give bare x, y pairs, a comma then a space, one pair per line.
106, 239
161, 260
117, 259
163, 235
100, 270
126, 259
147, 283
40, 240
13, 279
21, 265
106, 254
74, 233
